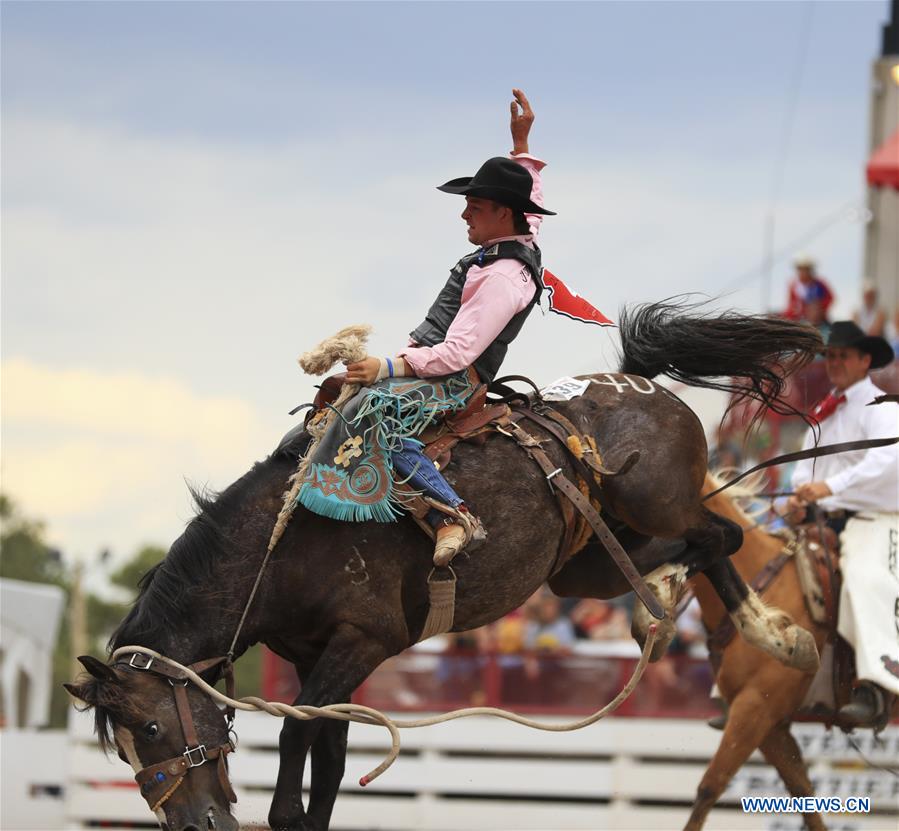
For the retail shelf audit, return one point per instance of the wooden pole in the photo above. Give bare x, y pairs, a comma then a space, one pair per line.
77, 620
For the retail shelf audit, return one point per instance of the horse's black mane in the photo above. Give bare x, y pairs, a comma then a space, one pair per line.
169, 590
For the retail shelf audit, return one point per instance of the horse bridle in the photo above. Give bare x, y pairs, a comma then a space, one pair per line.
158, 782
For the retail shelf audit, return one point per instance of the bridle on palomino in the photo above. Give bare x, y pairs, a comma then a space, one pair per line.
158, 782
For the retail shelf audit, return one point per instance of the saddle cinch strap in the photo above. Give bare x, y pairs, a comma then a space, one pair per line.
556, 478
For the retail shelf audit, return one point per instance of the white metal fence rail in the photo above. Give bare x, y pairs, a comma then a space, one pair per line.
623, 773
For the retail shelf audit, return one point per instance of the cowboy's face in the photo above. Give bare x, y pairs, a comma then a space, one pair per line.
846, 365
486, 220
805, 273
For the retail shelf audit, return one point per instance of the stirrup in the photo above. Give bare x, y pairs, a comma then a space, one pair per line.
449, 544
472, 535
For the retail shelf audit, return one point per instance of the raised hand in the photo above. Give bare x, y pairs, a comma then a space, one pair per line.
521, 122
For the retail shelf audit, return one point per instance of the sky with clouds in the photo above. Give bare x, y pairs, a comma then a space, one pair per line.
195, 193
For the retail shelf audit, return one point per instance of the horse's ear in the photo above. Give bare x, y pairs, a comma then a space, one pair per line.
100, 671
86, 692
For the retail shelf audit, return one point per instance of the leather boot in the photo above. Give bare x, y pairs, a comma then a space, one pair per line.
451, 539
868, 706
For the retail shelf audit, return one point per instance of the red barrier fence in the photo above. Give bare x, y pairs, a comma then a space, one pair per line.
578, 683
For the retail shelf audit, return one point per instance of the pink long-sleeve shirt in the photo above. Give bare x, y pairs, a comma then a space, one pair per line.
492, 295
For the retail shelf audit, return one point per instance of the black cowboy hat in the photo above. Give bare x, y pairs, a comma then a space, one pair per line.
501, 180
847, 333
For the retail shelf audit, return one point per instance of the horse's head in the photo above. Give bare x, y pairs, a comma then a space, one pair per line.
174, 737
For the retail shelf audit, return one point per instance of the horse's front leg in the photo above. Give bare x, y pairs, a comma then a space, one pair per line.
328, 765
327, 740
781, 750
748, 723
287, 812
347, 660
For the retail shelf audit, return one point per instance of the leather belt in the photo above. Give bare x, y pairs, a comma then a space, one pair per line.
557, 479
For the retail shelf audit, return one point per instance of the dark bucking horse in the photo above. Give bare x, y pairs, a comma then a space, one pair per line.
337, 599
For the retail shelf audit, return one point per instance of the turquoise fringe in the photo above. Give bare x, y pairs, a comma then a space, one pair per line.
318, 503
391, 417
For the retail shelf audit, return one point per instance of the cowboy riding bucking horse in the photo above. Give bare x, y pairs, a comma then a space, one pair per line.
459, 346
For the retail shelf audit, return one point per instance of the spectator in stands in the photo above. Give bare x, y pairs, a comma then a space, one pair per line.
871, 318
814, 314
460, 672
548, 630
549, 638
805, 289
508, 633
600, 620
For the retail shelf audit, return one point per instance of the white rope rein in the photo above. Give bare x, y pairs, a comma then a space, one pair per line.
368, 715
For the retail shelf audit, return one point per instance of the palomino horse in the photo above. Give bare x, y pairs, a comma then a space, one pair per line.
337, 599
763, 695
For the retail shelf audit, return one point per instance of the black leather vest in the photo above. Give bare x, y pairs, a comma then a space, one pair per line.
444, 309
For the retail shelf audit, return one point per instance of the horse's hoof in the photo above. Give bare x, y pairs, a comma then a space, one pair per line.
804, 654
665, 632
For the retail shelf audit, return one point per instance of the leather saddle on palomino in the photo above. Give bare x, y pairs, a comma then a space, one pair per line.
815, 549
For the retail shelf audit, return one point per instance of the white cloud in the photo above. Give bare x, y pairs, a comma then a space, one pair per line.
102, 456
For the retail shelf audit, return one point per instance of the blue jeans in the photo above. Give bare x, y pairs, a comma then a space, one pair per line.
413, 465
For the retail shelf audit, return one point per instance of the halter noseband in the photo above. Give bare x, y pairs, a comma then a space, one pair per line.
158, 782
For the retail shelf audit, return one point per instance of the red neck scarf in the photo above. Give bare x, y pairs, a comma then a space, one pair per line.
827, 406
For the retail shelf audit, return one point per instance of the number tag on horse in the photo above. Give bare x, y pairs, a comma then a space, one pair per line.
564, 389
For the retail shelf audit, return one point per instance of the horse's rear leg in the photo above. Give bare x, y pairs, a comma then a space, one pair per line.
764, 627
709, 538
781, 751
709, 546
748, 723
346, 662
593, 573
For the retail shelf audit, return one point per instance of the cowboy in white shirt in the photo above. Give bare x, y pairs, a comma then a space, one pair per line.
858, 495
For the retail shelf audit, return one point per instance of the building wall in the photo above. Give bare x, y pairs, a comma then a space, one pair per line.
881, 263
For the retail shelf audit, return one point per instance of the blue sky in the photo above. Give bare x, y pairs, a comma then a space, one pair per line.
195, 193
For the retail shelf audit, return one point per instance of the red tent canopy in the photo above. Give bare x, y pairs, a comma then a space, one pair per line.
883, 166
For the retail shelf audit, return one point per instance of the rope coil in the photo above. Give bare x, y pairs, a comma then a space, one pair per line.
361, 714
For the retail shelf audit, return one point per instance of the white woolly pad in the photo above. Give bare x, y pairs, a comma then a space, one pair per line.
347, 345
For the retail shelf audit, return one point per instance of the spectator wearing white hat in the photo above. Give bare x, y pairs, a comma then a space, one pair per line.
809, 296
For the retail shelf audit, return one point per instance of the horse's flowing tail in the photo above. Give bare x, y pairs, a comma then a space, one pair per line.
749, 356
